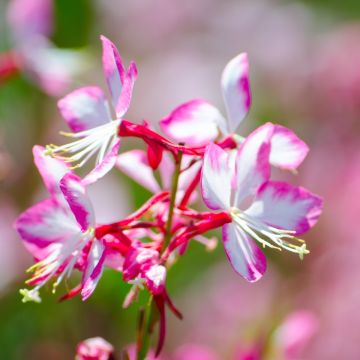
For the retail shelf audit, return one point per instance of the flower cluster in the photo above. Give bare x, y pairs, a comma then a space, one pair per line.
201, 151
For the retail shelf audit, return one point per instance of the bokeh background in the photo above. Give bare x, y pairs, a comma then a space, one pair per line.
305, 74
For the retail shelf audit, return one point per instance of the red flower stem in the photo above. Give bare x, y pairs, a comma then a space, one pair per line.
102, 230
213, 221
128, 128
196, 215
190, 190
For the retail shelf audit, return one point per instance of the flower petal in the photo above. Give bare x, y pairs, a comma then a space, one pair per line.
236, 90
119, 80
75, 194
94, 349
216, 178
94, 268
134, 164
287, 150
45, 223
252, 163
28, 19
85, 108
51, 170
51, 68
245, 256
155, 278
105, 165
286, 207
295, 333
194, 123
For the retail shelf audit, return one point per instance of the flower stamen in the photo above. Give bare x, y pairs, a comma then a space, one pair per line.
268, 235
96, 140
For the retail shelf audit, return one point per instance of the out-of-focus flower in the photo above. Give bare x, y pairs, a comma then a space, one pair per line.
88, 115
277, 211
194, 352
292, 336
30, 18
52, 68
60, 229
94, 349
131, 352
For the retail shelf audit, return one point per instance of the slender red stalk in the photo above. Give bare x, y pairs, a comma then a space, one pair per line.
152, 138
102, 230
210, 223
190, 190
160, 304
73, 292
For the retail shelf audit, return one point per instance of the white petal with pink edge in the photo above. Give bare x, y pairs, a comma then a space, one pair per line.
75, 194
216, 178
236, 90
51, 170
194, 123
119, 80
284, 206
94, 268
85, 108
45, 223
252, 163
287, 150
245, 256
135, 164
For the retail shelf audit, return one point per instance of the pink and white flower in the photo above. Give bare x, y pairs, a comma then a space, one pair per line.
88, 115
197, 122
142, 267
94, 349
294, 334
269, 212
59, 231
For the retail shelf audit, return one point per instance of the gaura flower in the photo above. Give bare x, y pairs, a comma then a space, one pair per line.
94, 349
88, 115
142, 267
295, 333
59, 231
197, 122
264, 211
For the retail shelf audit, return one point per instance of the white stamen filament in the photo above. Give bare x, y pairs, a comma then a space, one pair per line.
264, 233
51, 264
99, 139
